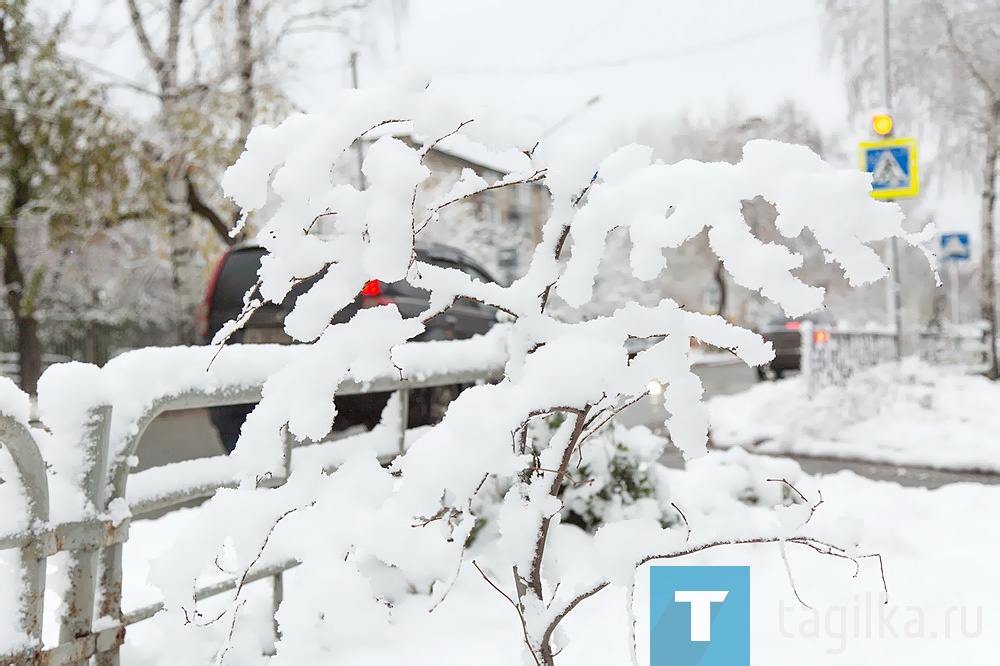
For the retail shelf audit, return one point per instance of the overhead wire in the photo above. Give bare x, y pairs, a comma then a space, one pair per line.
539, 70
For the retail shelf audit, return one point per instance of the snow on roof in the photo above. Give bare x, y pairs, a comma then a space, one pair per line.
461, 147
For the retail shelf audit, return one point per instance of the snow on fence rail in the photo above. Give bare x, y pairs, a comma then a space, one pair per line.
829, 357
965, 346
102, 427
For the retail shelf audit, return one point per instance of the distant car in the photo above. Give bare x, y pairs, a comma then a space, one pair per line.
236, 273
785, 335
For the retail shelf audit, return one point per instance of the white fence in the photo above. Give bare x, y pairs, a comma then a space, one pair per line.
94, 543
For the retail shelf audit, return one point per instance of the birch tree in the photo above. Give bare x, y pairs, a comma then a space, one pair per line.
216, 70
65, 168
945, 74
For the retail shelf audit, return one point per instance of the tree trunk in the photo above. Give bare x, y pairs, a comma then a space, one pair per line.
29, 347
179, 221
988, 268
182, 255
245, 58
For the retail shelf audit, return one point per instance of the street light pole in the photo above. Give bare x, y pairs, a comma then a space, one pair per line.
893, 284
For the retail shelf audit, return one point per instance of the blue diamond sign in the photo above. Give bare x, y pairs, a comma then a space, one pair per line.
893, 166
955, 247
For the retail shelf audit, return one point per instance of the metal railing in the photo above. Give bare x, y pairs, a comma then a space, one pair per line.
95, 544
965, 346
830, 357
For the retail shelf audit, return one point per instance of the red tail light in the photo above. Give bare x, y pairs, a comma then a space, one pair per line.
205, 307
792, 326
373, 294
821, 336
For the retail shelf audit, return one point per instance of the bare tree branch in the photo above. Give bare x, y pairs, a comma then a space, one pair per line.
200, 208
155, 62
169, 71
517, 609
962, 55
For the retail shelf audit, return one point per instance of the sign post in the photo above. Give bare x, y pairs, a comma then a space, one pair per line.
893, 166
954, 248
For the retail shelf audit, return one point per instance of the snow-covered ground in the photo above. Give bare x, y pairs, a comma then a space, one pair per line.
939, 568
912, 414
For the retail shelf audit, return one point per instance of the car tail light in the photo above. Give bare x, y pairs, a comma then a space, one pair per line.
372, 294
821, 336
205, 307
792, 326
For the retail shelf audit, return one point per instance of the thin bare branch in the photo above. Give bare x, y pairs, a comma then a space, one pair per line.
430, 146
533, 178
558, 617
684, 518
203, 210
949, 26
246, 574
615, 412
564, 234
154, 60
517, 609
169, 70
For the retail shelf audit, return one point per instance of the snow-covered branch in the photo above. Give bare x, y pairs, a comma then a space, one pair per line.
521, 441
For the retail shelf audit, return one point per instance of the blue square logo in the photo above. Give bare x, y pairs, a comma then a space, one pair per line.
699, 616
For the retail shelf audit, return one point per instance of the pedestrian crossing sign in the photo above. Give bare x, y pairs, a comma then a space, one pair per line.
893, 166
955, 247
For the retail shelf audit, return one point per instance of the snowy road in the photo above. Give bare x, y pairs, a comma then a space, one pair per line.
188, 434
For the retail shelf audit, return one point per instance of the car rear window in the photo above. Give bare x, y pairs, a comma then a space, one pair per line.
238, 275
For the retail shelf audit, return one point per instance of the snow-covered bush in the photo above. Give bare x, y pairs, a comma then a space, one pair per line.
418, 516
614, 476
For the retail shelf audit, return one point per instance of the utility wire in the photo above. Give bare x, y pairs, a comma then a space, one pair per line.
624, 62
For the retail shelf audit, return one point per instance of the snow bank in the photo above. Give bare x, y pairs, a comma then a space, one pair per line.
916, 530
913, 414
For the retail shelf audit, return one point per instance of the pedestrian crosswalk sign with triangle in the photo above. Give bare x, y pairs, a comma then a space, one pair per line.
954, 247
893, 166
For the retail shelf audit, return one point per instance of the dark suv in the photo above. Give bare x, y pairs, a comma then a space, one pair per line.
236, 273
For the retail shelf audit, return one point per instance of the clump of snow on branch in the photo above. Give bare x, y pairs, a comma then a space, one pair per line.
417, 517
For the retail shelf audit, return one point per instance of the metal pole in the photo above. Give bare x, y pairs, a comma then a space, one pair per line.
893, 285
954, 294
361, 150
404, 416
806, 366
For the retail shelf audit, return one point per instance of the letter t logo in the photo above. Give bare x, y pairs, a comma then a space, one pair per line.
701, 610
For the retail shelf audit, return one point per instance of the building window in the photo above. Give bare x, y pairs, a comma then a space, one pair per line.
486, 209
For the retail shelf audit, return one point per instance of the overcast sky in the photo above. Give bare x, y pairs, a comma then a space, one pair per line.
548, 58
